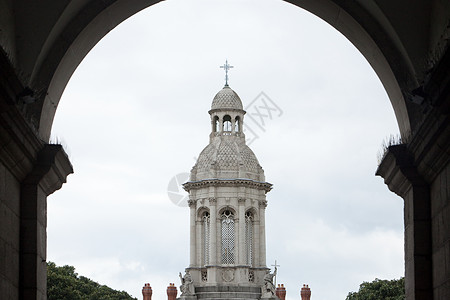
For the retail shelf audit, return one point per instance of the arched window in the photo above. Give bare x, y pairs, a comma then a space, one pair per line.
227, 123
236, 124
228, 247
216, 124
249, 237
205, 233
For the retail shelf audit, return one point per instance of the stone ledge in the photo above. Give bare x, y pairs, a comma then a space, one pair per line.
51, 169
228, 292
192, 185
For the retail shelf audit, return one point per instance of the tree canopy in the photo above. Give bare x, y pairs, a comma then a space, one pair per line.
64, 283
380, 290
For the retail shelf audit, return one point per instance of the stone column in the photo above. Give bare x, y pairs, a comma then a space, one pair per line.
193, 241
241, 235
199, 246
256, 236
262, 233
213, 232
147, 292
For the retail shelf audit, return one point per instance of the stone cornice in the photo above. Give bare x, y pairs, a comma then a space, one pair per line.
24, 153
50, 169
425, 155
399, 171
193, 185
215, 110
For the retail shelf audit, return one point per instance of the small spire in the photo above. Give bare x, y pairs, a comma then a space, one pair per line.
226, 67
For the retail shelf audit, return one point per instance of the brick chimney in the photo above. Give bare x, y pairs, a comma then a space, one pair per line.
305, 292
281, 292
147, 291
171, 291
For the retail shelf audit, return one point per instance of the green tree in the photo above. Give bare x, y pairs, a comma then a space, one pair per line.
380, 290
64, 283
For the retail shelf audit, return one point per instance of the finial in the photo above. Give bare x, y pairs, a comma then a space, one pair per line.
226, 67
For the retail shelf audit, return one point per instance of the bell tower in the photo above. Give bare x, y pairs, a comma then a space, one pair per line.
227, 202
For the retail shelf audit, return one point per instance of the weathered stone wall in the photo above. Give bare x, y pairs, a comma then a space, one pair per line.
30, 170
440, 219
419, 172
9, 234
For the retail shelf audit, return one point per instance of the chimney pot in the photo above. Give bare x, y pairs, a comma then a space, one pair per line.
280, 292
147, 292
172, 292
305, 292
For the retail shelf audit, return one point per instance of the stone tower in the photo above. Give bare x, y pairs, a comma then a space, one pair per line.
227, 200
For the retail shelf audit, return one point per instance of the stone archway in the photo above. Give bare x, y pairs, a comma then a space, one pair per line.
406, 44
363, 25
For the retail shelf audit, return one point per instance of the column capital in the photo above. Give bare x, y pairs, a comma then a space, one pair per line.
212, 200
241, 200
192, 203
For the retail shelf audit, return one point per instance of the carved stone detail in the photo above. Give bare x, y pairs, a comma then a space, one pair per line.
251, 276
204, 275
228, 275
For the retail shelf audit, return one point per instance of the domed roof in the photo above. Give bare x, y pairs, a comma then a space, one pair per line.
227, 159
226, 98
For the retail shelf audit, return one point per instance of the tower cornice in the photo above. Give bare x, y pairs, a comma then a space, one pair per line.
193, 185
211, 111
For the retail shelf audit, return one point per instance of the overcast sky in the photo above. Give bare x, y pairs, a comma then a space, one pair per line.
135, 114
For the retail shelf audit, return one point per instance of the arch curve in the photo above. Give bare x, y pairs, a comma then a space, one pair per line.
201, 211
224, 208
254, 213
80, 27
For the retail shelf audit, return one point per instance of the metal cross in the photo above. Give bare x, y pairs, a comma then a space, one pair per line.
275, 265
226, 67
